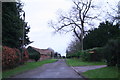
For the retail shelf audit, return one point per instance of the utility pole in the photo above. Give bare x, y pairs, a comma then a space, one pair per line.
23, 37
119, 12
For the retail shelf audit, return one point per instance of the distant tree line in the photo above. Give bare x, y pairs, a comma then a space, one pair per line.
57, 55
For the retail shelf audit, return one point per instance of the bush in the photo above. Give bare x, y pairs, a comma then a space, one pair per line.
9, 57
85, 56
74, 55
25, 56
94, 54
33, 54
112, 52
97, 55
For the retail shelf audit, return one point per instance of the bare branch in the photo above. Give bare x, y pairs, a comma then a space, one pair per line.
87, 8
75, 20
64, 25
77, 34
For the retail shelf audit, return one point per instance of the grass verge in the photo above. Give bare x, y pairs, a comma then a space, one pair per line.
106, 72
25, 67
77, 62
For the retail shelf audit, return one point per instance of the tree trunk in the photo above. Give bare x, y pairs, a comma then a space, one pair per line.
82, 40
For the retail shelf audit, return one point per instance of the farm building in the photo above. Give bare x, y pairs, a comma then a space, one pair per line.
44, 53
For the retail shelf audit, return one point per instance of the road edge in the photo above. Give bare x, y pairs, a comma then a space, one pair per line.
27, 70
79, 73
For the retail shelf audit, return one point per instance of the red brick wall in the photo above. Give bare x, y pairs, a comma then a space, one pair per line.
44, 57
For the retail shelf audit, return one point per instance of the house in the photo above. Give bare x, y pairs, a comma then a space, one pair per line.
44, 53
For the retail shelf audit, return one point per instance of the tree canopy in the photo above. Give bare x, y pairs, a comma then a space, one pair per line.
98, 37
13, 26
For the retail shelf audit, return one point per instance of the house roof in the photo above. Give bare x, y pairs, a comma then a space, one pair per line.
43, 51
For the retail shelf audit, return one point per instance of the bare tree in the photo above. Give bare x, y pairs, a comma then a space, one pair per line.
76, 20
113, 14
74, 46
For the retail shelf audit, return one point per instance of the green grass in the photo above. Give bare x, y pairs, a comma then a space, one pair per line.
0, 74
77, 62
106, 72
25, 67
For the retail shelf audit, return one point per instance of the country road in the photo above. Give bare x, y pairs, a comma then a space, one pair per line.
57, 69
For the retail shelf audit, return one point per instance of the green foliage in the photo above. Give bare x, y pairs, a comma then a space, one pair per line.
97, 55
85, 56
112, 52
13, 25
94, 54
25, 67
74, 55
98, 37
106, 33
107, 72
33, 54
56, 55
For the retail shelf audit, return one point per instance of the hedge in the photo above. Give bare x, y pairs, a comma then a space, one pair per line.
112, 52
94, 54
11, 57
33, 54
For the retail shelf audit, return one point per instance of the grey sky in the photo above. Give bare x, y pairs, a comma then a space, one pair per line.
38, 13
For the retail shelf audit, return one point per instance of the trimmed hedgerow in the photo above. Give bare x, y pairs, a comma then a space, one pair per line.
11, 57
33, 54
112, 52
25, 56
94, 54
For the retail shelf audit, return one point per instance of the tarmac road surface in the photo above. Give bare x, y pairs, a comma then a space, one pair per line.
57, 69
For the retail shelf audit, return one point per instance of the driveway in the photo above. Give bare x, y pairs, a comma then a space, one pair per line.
81, 69
57, 69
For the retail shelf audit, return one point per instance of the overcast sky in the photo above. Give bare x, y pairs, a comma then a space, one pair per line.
38, 13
